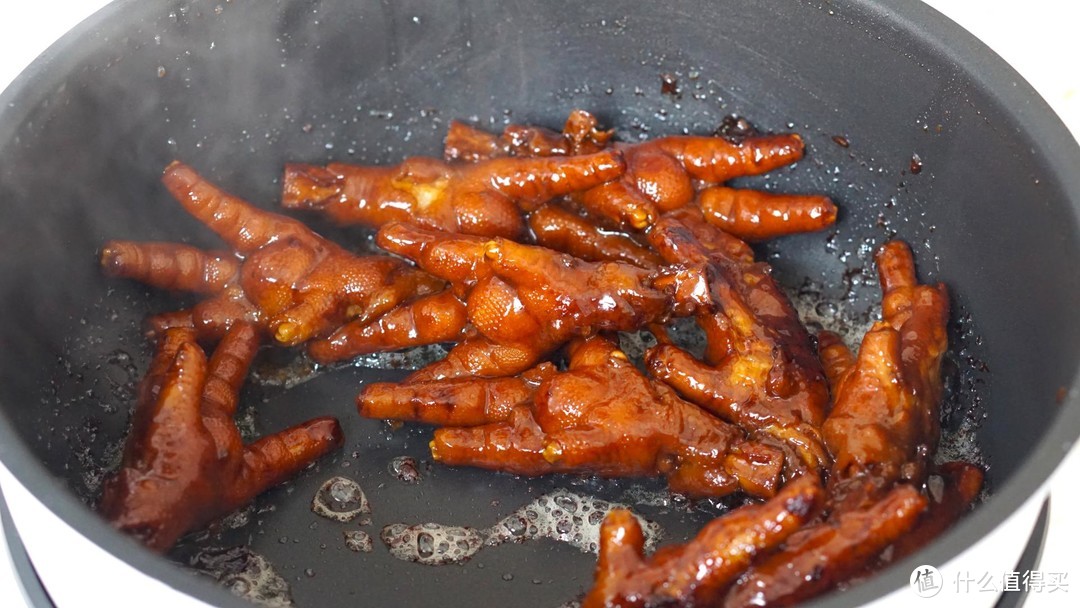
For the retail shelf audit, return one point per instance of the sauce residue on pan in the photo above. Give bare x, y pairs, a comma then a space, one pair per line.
916, 164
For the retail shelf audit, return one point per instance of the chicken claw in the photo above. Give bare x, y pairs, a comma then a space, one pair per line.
484, 198
556, 228
604, 417
660, 173
761, 371
452, 402
507, 340
817, 558
469, 144
753, 215
431, 319
579, 136
284, 278
700, 571
881, 431
886, 419
563, 291
523, 301
184, 463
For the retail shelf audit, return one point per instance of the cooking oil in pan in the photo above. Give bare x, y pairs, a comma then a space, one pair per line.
291, 369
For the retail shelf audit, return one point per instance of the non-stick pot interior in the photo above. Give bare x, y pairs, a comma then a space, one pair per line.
906, 138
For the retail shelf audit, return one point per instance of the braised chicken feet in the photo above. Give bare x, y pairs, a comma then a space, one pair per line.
290, 282
761, 371
699, 572
602, 416
580, 135
184, 463
818, 557
881, 431
665, 174
523, 301
484, 198
885, 421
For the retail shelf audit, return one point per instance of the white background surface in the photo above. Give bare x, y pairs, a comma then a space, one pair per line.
1037, 37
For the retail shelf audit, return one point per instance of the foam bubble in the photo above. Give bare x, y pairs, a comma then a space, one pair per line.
340, 499
664, 499
405, 469
246, 574
838, 316
432, 544
562, 516
358, 541
567, 517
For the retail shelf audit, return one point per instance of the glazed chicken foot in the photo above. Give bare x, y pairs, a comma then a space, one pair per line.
281, 277
602, 416
761, 371
184, 463
699, 572
523, 301
665, 174
484, 198
881, 431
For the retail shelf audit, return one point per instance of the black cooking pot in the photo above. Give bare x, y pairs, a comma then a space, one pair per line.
912, 126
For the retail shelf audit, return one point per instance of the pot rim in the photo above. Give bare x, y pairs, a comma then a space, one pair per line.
1051, 139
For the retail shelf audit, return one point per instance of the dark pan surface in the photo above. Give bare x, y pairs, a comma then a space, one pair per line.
236, 89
